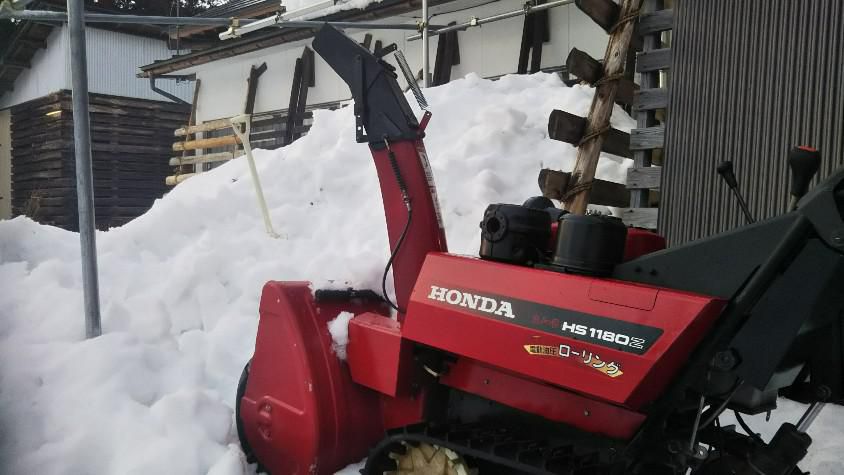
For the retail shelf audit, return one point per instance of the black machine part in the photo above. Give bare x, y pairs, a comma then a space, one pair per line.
725, 169
804, 163
515, 234
381, 110
589, 244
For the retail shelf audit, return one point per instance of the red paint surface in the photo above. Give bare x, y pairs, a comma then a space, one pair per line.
425, 234
683, 317
640, 242
301, 412
538, 398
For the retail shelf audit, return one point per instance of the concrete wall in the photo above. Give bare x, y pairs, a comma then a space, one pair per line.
113, 61
5, 164
490, 50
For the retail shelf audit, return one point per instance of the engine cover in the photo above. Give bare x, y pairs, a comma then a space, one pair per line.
611, 340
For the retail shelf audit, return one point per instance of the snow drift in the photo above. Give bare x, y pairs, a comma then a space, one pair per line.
180, 285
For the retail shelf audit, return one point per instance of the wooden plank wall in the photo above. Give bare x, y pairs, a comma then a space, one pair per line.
130, 139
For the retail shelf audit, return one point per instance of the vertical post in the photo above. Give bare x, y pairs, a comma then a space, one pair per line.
84, 178
426, 66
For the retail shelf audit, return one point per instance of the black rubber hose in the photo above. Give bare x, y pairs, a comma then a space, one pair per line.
406, 198
747, 428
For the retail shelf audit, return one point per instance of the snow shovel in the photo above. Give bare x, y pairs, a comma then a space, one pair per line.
246, 121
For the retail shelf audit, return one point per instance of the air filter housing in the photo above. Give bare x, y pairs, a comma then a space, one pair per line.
590, 244
514, 234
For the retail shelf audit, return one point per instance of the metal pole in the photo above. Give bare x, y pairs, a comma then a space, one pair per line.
426, 66
809, 416
501, 16
38, 15
84, 173
276, 22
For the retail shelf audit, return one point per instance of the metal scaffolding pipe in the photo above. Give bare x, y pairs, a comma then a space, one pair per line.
501, 16
276, 22
347, 24
84, 171
38, 15
426, 64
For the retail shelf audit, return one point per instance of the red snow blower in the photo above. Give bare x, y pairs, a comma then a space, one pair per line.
572, 345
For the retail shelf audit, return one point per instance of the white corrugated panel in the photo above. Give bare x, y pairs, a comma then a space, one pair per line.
113, 61
47, 73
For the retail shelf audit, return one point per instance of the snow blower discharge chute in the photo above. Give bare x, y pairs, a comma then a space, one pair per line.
574, 345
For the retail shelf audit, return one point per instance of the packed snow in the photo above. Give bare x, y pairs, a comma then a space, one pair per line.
339, 330
180, 285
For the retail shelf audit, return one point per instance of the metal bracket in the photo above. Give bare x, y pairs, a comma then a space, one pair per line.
358, 91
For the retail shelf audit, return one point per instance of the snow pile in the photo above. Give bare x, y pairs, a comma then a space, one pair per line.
180, 285
339, 330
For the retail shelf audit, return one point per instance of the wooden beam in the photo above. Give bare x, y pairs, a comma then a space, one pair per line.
589, 69
12, 64
655, 22
569, 128
203, 127
650, 99
655, 60
295, 89
644, 177
174, 180
206, 143
206, 158
302, 102
640, 217
602, 108
648, 138
37, 44
255, 73
554, 183
583, 66
603, 12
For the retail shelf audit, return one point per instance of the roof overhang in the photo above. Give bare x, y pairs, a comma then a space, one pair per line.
272, 37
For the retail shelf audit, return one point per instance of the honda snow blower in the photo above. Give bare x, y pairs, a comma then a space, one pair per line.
574, 345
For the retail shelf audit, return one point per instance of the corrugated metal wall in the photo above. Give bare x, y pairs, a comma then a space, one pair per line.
113, 61
750, 79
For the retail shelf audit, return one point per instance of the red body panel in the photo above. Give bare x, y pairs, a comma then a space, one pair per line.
640, 242
426, 233
379, 358
301, 411
538, 398
614, 375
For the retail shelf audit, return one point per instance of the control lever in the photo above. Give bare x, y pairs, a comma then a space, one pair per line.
725, 169
804, 163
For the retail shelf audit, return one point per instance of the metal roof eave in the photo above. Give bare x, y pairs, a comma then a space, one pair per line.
265, 39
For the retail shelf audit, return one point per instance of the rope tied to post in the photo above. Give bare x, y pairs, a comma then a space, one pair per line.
623, 21
576, 190
593, 135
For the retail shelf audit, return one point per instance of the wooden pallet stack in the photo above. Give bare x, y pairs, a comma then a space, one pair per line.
130, 143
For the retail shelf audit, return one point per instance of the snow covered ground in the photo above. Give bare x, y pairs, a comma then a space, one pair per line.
180, 285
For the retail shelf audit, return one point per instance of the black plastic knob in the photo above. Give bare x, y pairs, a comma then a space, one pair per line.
725, 169
804, 163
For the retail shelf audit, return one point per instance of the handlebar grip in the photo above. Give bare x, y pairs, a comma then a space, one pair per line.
804, 162
725, 169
